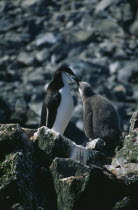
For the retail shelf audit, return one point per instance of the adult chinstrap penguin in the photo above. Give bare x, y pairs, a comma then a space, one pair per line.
100, 118
58, 103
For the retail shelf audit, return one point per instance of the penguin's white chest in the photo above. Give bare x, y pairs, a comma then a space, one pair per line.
64, 110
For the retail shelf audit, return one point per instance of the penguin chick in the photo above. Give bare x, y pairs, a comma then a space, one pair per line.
100, 118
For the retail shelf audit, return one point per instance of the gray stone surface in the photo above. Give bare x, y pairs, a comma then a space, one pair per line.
54, 145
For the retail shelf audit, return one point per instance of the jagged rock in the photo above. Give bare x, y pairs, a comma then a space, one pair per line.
103, 5
70, 178
29, 3
134, 122
29, 132
25, 59
79, 187
20, 184
123, 204
15, 167
129, 152
54, 145
42, 55
16, 170
20, 111
83, 35
12, 137
96, 144
47, 38
128, 72
48, 171
134, 28
125, 167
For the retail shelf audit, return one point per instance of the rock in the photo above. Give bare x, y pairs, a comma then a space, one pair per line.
15, 106
34, 78
63, 48
125, 170
25, 58
120, 92
20, 111
107, 26
77, 185
28, 3
127, 18
107, 48
128, 176
96, 144
19, 171
125, 167
48, 171
2, 6
69, 183
95, 70
134, 122
113, 67
11, 138
128, 154
47, 38
29, 132
54, 145
16, 167
42, 55
83, 35
134, 28
125, 203
124, 164
128, 72
103, 5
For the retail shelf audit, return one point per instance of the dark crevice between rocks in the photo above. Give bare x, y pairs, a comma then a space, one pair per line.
44, 187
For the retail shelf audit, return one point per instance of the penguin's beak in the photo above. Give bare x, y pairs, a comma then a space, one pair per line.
77, 80
73, 78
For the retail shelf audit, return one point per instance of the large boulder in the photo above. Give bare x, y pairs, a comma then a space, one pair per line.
24, 183
15, 168
80, 187
55, 145
125, 167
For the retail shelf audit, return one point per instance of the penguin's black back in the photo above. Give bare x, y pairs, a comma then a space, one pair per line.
51, 103
101, 119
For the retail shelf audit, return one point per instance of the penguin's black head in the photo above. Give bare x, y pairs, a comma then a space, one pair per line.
85, 90
66, 74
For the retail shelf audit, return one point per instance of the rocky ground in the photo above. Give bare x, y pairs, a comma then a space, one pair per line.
97, 39
40, 169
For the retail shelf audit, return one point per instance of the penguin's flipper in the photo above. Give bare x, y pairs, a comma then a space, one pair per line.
52, 107
43, 114
88, 125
